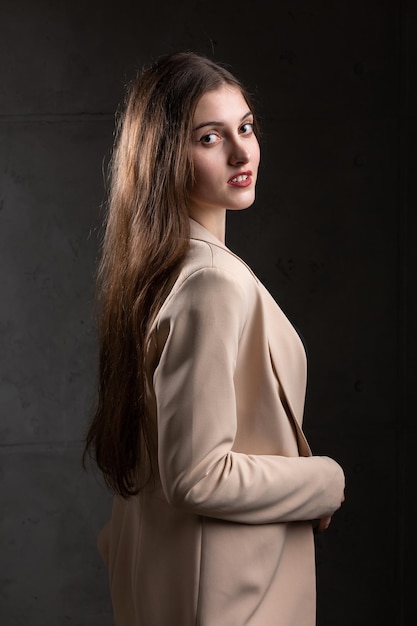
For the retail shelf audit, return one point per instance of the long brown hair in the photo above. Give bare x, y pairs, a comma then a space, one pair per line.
145, 242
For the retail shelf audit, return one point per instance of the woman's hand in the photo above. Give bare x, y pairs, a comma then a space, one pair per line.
323, 524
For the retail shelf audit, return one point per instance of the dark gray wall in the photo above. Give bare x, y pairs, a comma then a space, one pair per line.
330, 234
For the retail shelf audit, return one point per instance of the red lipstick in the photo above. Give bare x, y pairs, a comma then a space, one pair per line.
242, 179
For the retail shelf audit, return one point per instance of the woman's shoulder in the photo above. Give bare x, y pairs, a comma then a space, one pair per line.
211, 276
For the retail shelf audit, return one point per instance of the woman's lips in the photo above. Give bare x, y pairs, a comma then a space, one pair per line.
244, 179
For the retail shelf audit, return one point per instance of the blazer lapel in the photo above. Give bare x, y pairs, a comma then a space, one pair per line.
289, 363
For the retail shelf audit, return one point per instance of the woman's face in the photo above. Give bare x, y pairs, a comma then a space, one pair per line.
225, 153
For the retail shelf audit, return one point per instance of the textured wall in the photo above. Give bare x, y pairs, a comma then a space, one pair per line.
330, 234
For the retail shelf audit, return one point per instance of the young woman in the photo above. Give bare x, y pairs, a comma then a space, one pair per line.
202, 377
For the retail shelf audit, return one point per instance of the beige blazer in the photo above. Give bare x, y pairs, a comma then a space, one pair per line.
224, 536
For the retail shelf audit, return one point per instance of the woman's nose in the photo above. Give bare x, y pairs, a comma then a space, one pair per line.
238, 153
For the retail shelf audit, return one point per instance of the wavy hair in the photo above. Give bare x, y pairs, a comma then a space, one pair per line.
146, 238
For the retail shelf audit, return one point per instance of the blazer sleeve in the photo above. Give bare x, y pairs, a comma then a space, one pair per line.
198, 335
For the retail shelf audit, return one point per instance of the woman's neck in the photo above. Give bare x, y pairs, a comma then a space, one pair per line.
213, 221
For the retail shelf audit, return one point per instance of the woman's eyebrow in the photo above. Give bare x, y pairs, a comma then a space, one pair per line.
214, 123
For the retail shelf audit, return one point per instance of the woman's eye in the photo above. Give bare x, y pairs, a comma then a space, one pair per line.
209, 138
246, 128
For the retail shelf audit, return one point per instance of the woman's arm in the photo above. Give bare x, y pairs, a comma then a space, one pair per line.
199, 333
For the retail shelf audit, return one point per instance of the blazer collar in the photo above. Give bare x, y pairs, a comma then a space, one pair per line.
197, 231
